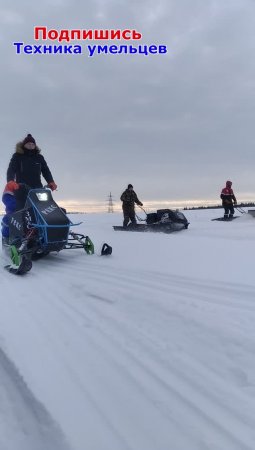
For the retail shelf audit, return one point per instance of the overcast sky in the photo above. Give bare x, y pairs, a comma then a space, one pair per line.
176, 126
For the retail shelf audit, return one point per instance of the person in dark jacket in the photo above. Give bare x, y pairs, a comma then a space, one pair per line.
228, 200
24, 172
129, 198
26, 167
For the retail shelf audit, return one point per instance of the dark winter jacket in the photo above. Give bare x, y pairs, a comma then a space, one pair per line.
227, 196
27, 166
129, 198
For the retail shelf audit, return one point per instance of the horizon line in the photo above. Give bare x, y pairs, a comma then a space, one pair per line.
94, 206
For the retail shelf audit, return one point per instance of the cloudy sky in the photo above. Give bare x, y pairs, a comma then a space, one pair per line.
176, 126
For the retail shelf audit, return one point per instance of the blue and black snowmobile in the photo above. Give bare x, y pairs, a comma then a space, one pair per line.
164, 220
39, 228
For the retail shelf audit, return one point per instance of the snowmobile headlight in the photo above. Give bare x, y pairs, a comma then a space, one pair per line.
42, 196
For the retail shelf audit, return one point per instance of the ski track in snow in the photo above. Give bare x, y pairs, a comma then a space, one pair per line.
127, 359
25, 423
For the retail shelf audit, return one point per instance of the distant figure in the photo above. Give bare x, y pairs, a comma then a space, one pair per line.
129, 198
228, 200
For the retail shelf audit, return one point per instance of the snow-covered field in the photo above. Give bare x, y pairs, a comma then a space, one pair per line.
151, 348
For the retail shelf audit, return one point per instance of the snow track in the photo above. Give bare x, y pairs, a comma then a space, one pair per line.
133, 354
25, 423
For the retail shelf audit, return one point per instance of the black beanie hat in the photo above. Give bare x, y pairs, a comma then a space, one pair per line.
28, 138
130, 186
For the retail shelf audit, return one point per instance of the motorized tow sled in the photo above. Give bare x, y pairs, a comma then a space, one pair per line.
164, 221
40, 228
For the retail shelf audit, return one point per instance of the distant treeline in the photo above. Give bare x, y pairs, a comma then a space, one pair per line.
240, 205
76, 212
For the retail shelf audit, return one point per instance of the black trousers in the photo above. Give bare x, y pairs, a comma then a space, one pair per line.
229, 210
129, 215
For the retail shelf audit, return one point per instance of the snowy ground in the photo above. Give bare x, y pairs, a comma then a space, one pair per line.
151, 348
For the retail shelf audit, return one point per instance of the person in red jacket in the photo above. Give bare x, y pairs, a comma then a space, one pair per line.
228, 200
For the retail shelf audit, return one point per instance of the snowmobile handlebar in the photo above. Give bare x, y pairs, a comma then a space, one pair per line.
240, 209
139, 218
142, 209
28, 188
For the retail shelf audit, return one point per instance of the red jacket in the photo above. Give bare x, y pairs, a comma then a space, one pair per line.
227, 195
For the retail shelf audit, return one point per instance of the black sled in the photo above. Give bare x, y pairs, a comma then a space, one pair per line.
164, 221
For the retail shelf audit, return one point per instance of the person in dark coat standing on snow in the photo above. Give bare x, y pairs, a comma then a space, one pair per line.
129, 198
228, 200
27, 165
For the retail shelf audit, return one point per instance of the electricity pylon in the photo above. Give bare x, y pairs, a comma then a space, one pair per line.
110, 203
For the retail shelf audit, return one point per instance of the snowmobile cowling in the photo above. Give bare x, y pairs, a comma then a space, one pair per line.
38, 229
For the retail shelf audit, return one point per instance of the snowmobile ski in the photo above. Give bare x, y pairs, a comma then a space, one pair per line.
229, 219
106, 250
20, 263
154, 227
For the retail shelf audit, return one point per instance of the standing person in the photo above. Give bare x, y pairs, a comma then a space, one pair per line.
26, 167
129, 198
228, 200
